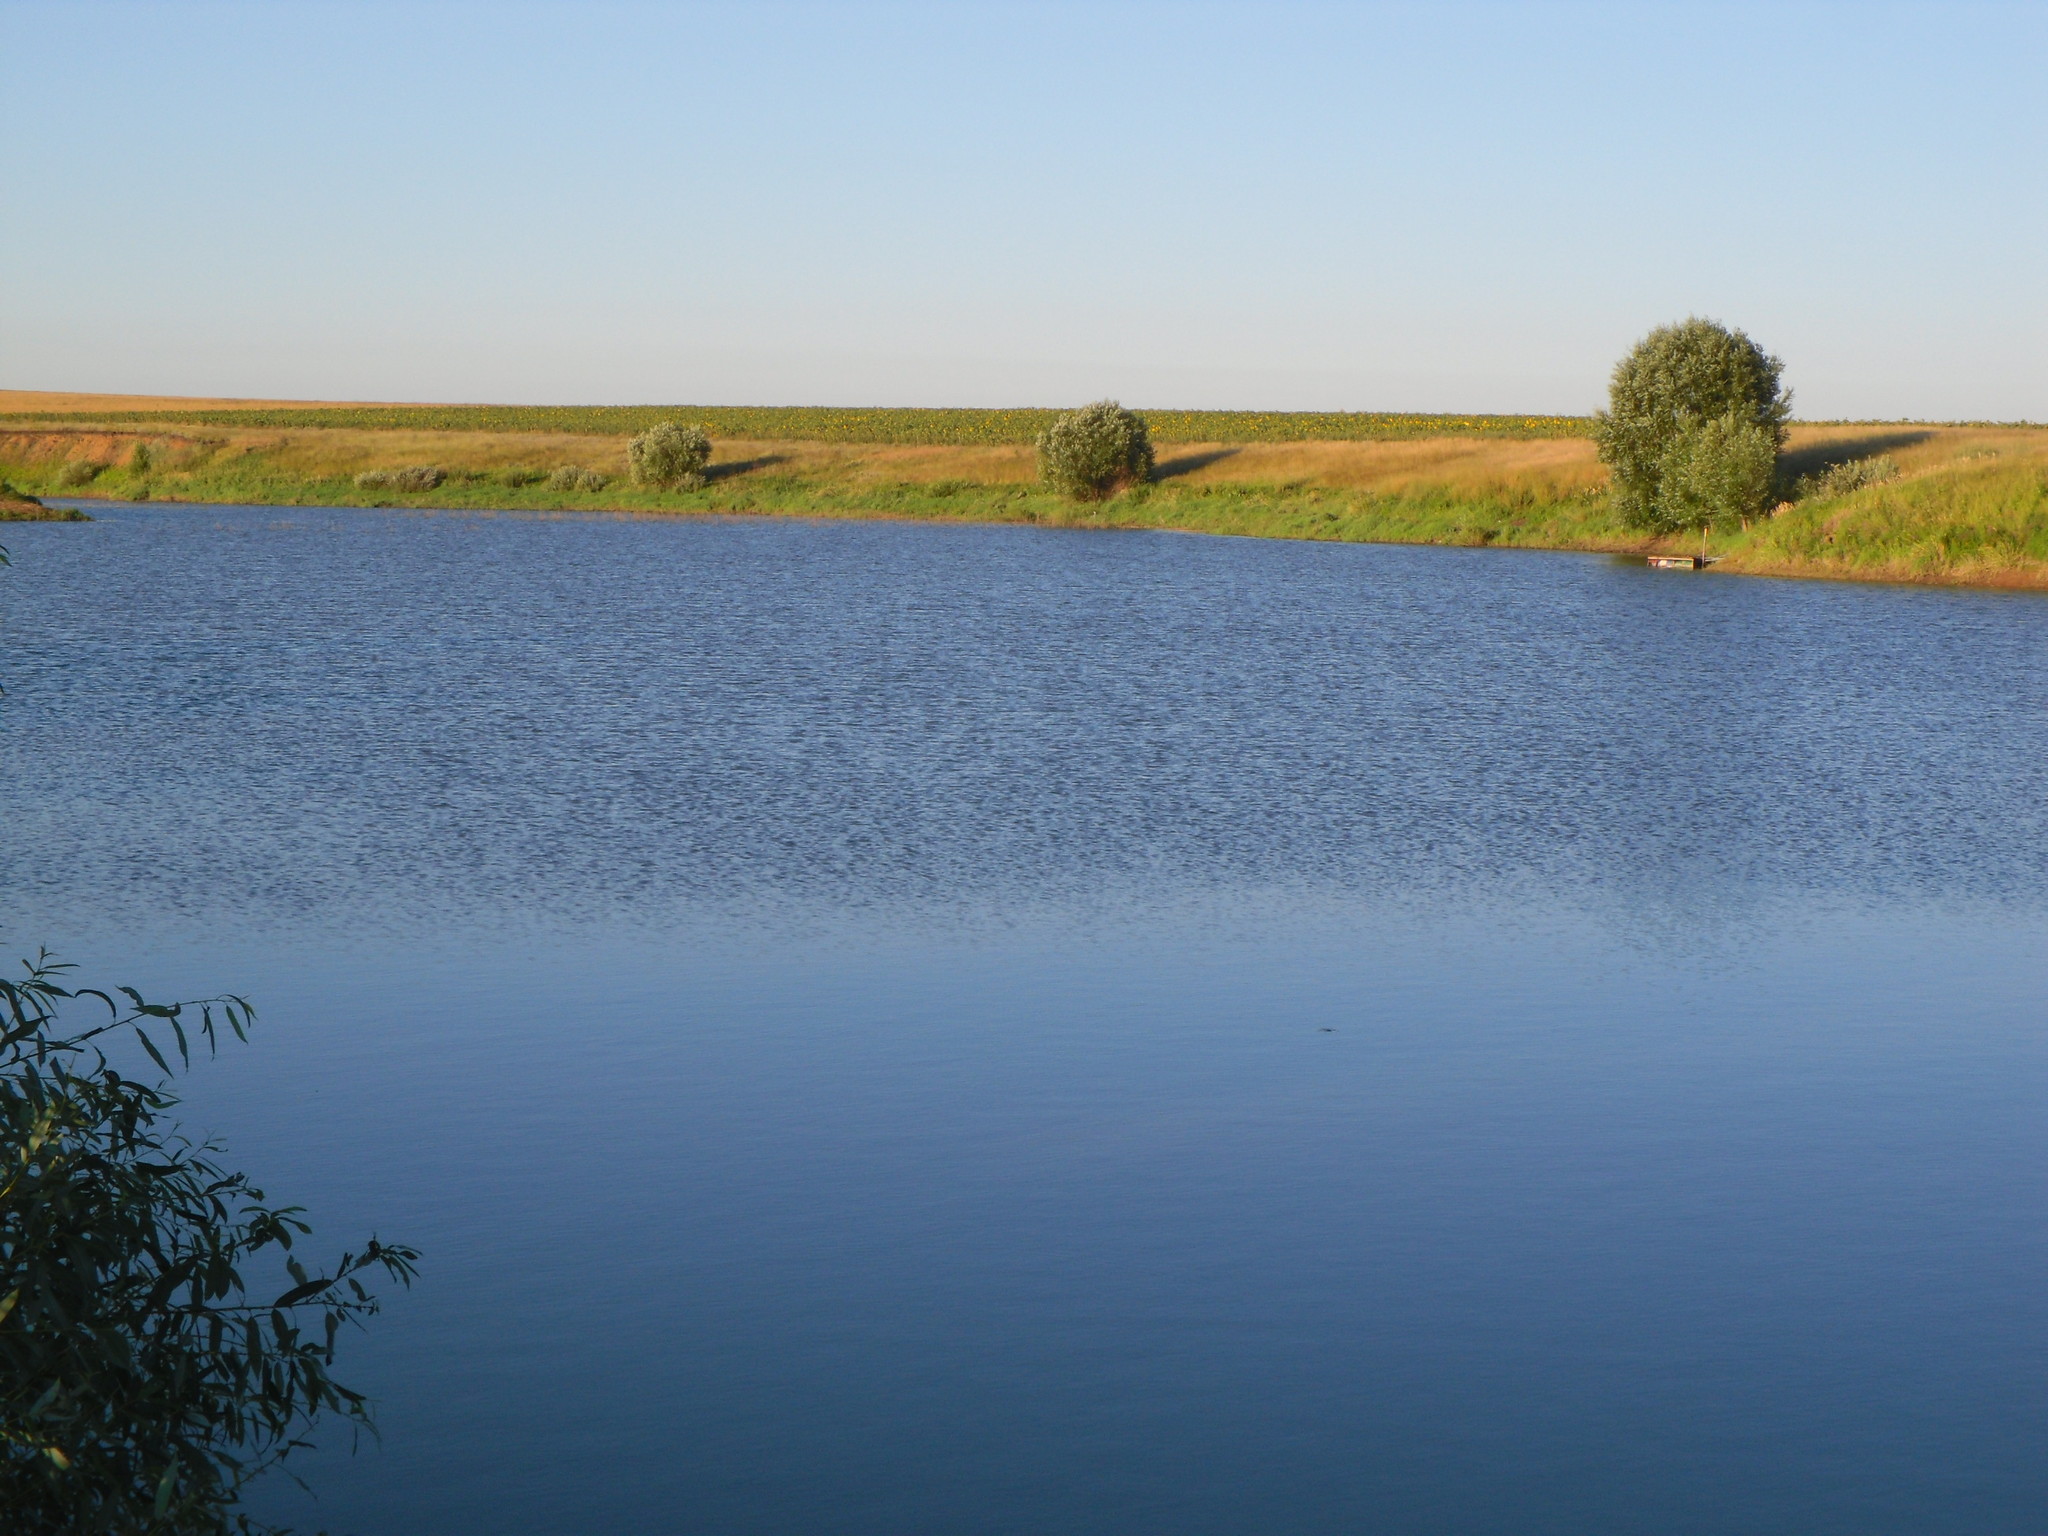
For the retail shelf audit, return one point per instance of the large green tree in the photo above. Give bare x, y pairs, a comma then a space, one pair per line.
1689, 411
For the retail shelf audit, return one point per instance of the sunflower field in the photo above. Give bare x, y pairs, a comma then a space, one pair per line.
847, 424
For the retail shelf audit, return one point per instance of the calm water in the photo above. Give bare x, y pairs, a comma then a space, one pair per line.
886, 1029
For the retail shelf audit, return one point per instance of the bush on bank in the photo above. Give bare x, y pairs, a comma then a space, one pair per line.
1844, 478
1095, 452
416, 477
669, 456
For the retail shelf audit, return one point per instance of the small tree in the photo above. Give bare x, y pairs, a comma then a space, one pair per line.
141, 1384
1678, 379
669, 456
1095, 452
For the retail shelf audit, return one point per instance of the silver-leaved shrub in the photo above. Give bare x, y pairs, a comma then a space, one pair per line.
669, 456
1095, 452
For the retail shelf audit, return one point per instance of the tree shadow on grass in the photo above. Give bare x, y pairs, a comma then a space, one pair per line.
1819, 458
1188, 463
742, 466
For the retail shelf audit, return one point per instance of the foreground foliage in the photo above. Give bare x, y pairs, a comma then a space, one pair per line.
143, 1379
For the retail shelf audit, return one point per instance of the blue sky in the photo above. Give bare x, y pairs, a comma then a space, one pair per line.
1283, 206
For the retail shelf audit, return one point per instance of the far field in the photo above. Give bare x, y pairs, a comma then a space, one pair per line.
1968, 505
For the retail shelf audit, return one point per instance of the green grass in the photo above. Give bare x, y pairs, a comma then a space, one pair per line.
1512, 519
832, 424
1980, 522
29, 512
16, 507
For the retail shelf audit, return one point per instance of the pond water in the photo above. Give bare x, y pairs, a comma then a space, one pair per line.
889, 1029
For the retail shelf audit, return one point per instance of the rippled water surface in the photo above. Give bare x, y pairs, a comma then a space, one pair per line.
892, 1029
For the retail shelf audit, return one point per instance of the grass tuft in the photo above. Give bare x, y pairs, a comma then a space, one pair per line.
414, 477
1845, 479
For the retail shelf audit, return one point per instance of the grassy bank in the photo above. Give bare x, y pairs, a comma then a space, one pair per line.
1969, 504
17, 508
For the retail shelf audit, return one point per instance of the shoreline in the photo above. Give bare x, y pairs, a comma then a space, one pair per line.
1624, 546
1965, 506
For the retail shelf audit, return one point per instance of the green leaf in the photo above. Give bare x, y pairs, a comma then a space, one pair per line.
299, 1293
155, 1055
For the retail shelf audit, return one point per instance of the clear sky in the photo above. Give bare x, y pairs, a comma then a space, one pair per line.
1280, 206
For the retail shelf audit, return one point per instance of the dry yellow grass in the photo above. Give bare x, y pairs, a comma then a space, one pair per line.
1447, 463
1912, 448
1550, 467
312, 452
